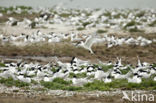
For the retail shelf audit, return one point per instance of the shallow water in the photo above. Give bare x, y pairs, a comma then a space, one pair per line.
83, 3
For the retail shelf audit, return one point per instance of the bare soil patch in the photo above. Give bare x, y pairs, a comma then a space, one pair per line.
76, 98
128, 53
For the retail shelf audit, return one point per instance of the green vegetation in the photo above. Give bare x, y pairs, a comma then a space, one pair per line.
152, 24
59, 83
79, 75
53, 70
91, 76
33, 25
5, 9
106, 67
1, 71
135, 30
140, 14
34, 82
80, 28
125, 71
31, 76
96, 85
2, 64
154, 65
117, 16
65, 15
146, 84
144, 20
83, 66
11, 82
132, 23
73, 88
86, 23
24, 7
19, 69
100, 85
108, 14
101, 31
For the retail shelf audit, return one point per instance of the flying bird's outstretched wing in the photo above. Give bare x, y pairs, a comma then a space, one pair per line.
91, 40
139, 62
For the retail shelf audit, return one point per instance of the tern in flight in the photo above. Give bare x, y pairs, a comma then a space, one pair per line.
89, 42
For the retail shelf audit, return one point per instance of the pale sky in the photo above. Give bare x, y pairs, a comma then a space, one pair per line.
83, 3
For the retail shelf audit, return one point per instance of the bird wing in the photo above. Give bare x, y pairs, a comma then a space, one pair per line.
91, 40
139, 62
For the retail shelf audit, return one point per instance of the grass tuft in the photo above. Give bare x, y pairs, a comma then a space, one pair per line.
131, 23
2, 65
79, 75
146, 84
125, 71
61, 81
56, 84
154, 65
80, 28
135, 30
106, 67
140, 14
73, 88
53, 70
65, 15
85, 24
152, 24
101, 31
11, 82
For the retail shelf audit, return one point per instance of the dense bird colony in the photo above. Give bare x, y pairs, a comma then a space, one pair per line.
80, 72
106, 72
91, 39
128, 19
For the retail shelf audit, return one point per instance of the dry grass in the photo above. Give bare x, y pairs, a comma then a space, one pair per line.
128, 53
42, 49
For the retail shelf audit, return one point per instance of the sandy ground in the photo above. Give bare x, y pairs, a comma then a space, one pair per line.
17, 30
61, 28
72, 97
57, 28
53, 99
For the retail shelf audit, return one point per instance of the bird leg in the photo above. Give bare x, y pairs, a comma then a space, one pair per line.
91, 51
